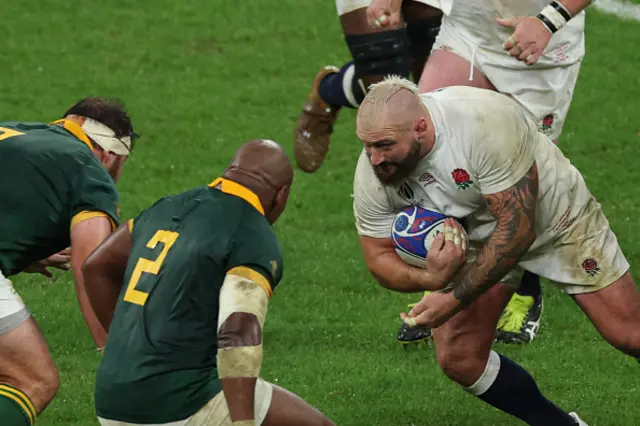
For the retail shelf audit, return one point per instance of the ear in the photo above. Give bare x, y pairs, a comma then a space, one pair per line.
282, 195
420, 126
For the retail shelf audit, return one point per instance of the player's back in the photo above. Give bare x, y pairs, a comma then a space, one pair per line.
160, 359
47, 176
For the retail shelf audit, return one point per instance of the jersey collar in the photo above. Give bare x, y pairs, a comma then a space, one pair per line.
233, 188
75, 130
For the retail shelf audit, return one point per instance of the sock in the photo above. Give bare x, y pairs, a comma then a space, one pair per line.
510, 388
342, 89
16, 409
530, 285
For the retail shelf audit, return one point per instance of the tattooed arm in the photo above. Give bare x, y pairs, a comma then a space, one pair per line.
514, 209
515, 212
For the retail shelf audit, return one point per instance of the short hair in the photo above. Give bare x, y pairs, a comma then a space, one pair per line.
380, 93
110, 112
393, 84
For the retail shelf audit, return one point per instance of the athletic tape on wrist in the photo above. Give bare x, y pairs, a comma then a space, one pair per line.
244, 423
239, 362
554, 16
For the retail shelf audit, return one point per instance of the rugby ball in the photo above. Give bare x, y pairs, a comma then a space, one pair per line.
413, 231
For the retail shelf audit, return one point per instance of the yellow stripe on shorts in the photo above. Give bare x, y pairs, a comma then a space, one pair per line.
21, 399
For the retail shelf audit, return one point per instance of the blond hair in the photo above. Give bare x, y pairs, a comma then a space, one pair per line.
375, 102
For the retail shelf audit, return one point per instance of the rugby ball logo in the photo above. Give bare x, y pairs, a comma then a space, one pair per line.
413, 231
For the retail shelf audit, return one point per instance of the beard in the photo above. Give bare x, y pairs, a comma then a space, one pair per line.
392, 172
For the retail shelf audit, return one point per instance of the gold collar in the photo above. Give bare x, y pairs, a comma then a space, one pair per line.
233, 188
75, 129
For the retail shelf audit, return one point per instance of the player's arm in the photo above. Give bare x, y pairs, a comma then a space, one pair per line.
391, 272
86, 235
573, 6
103, 272
374, 215
243, 306
515, 211
95, 216
507, 174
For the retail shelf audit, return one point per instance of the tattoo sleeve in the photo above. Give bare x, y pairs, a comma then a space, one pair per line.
514, 210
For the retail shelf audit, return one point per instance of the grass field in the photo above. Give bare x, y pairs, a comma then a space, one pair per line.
201, 77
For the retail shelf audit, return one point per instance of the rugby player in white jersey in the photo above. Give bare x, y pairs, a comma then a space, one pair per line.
524, 206
547, 42
400, 48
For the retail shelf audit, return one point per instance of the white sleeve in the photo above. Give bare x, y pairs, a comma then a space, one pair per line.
372, 208
503, 149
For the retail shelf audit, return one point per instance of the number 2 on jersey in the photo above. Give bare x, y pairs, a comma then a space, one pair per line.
168, 238
7, 133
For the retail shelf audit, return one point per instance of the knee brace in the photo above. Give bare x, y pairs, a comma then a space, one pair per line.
382, 53
422, 35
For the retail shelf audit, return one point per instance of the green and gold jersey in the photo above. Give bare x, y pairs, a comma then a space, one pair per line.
159, 364
49, 180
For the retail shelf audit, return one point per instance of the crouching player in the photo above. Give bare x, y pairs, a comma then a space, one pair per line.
183, 291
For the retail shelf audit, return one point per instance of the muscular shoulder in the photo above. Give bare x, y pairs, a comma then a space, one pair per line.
366, 182
372, 207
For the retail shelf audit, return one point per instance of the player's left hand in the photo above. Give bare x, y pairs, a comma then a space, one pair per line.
529, 39
433, 310
60, 261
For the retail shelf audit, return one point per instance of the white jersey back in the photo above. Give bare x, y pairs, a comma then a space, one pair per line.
484, 144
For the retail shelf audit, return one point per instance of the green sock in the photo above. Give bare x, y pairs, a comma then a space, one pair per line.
16, 409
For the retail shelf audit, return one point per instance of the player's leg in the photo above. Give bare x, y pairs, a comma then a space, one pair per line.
375, 54
463, 349
288, 409
273, 406
451, 62
423, 25
28, 377
615, 312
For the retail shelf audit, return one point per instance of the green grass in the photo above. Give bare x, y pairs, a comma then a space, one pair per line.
202, 77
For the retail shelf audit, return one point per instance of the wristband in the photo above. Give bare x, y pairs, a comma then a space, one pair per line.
554, 16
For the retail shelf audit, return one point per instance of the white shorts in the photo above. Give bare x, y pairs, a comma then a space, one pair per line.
585, 258
345, 6
13, 311
544, 91
215, 412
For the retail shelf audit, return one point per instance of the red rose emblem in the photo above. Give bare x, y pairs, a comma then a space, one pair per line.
590, 266
461, 178
548, 120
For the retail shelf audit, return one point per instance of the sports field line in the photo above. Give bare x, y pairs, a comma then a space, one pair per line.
619, 8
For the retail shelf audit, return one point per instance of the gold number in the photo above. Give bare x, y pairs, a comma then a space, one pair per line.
8, 133
149, 266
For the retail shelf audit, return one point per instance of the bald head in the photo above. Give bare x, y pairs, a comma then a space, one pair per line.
262, 166
265, 160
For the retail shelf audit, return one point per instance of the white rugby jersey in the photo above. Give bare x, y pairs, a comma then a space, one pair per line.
484, 144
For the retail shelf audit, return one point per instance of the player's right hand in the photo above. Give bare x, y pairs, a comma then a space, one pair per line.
60, 261
384, 13
448, 252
